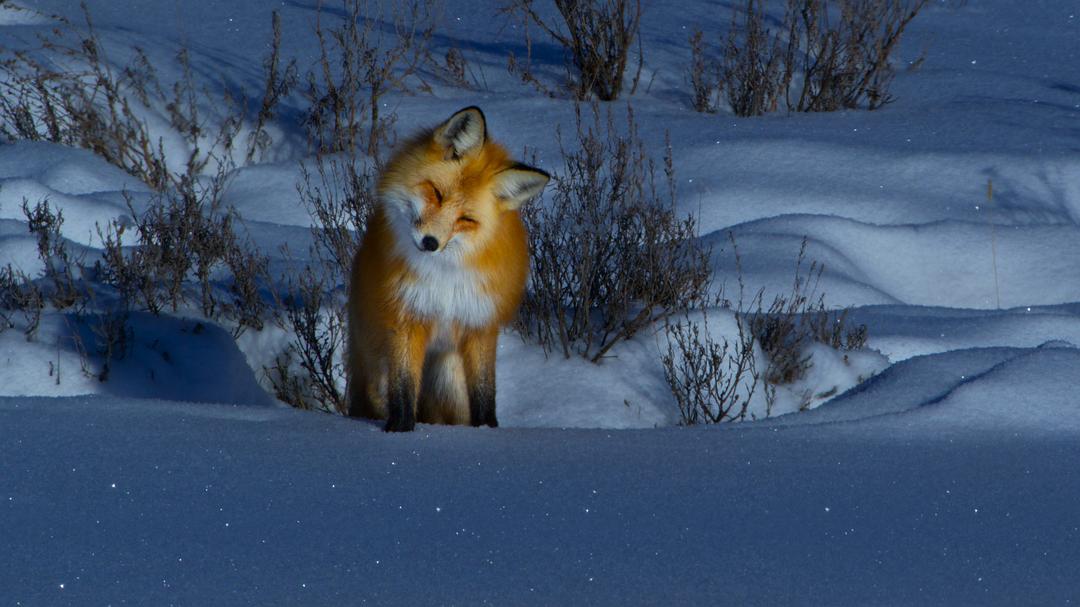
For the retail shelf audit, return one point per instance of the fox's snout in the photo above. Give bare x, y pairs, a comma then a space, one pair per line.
433, 231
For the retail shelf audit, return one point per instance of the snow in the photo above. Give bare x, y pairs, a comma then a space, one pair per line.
241, 505
948, 477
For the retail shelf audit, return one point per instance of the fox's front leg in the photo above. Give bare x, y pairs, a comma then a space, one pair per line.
478, 353
409, 343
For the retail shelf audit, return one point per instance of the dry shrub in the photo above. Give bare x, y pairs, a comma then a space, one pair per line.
704, 76
834, 329
339, 196
187, 250
792, 321
68, 287
359, 63
848, 65
821, 58
779, 329
19, 295
313, 312
82, 99
337, 190
91, 104
279, 81
610, 256
755, 73
713, 380
456, 67
598, 35
187, 246
187, 237
113, 337
63, 271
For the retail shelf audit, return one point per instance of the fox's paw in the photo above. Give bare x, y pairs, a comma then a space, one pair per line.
486, 418
399, 424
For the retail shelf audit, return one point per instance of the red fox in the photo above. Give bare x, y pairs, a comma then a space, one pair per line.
441, 268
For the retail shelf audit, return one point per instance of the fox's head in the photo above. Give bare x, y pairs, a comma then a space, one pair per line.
449, 187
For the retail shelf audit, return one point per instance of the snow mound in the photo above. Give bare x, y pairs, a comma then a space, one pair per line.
169, 358
1033, 391
17, 15
960, 264
1009, 390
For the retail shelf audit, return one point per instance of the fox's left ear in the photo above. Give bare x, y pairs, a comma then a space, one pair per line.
519, 183
464, 132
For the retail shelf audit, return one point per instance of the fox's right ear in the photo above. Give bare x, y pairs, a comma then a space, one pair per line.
519, 183
463, 133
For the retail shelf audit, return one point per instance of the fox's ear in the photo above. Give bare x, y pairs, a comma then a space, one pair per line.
518, 184
464, 132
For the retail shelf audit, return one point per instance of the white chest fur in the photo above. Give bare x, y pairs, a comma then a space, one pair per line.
445, 291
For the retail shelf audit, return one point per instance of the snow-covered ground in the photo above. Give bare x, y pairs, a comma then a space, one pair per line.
111, 500
948, 478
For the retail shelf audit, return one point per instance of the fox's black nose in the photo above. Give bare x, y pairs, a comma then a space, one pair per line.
429, 243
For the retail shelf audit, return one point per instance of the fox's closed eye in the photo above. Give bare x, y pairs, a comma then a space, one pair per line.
433, 192
467, 221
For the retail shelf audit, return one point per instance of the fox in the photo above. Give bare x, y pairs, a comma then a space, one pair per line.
441, 268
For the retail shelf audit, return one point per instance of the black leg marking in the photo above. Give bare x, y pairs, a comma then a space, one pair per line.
357, 399
401, 405
355, 407
482, 404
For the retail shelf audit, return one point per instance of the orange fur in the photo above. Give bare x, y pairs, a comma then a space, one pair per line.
442, 266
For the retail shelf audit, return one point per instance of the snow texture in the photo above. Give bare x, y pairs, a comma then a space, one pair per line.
947, 478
